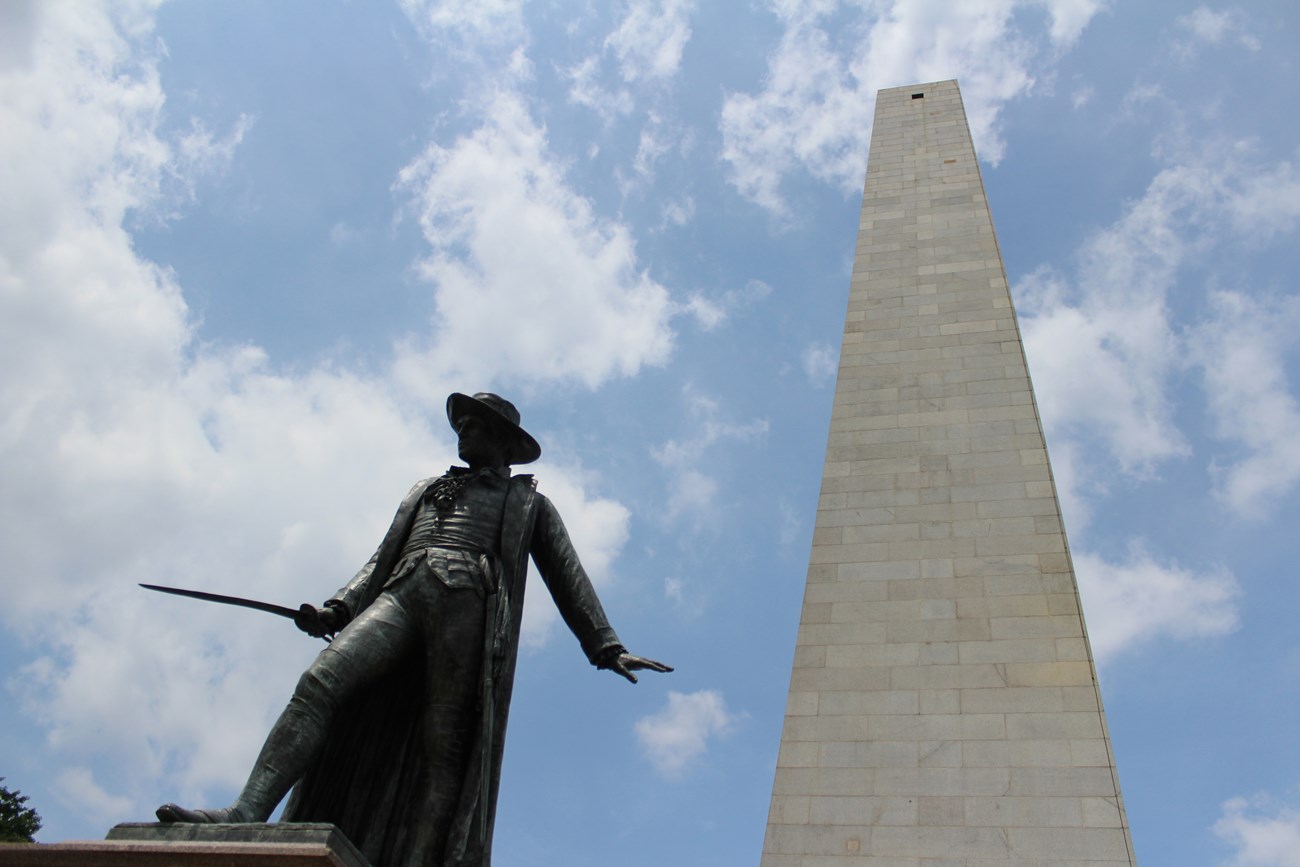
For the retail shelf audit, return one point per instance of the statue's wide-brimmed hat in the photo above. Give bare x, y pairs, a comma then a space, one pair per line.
499, 413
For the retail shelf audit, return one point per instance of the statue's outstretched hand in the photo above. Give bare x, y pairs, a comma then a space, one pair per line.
625, 663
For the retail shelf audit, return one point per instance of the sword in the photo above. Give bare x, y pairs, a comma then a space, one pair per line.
304, 610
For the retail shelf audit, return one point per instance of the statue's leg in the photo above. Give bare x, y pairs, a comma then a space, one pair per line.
453, 644
367, 648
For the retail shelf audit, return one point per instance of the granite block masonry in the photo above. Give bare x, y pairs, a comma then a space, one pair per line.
943, 706
146, 844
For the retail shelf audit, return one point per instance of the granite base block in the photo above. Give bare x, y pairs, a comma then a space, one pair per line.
155, 845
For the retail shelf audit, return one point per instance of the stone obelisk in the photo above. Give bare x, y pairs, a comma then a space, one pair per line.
943, 706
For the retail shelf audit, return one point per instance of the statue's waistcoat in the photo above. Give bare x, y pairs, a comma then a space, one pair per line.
513, 524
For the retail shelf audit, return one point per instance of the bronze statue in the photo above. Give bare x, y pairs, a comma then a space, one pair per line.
395, 732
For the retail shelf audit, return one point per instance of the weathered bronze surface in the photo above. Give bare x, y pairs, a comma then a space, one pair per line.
294, 614
395, 732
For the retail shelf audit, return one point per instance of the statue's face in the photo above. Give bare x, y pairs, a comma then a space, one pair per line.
481, 444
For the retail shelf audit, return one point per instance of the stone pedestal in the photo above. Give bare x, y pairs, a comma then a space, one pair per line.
178, 845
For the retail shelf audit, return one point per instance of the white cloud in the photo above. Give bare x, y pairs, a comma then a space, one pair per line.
1262, 201
17, 29
688, 604
86, 119
1070, 18
78, 789
200, 152
814, 113
1106, 350
677, 737
650, 39
647, 44
521, 263
679, 212
342, 234
792, 524
658, 138
1205, 24
709, 314
1139, 600
1242, 352
468, 21
691, 490
712, 429
712, 312
820, 364
1141, 94
477, 44
655, 142
587, 90
1101, 370
1208, 27
1263, 832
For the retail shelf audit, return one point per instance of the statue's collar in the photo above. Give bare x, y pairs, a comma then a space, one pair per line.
500, 472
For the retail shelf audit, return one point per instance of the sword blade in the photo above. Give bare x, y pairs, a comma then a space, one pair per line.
268, 607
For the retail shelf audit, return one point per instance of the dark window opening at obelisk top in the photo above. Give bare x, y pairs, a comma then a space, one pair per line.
918, 96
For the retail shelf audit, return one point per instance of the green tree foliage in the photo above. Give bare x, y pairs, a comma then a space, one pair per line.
18, 824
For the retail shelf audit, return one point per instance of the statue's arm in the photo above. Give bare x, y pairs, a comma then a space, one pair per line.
346, 603
575, 597
567, 581
346, 600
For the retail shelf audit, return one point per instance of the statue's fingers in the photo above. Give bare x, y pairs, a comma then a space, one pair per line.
621, 667
641, 662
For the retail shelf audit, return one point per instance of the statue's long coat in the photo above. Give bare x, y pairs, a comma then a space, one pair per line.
371, 780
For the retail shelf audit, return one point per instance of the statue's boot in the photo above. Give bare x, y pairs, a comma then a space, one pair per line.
177, 813
293, 742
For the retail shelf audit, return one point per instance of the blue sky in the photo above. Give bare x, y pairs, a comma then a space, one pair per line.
247, 249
